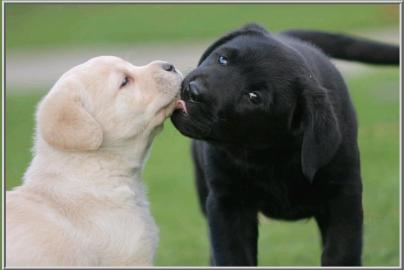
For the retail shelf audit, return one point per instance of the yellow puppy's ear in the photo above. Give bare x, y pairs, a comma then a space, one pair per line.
63, 121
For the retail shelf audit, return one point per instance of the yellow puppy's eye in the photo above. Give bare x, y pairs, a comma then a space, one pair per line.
124, 82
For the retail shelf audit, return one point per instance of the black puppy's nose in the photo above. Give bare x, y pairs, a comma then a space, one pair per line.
194, 92
168, 67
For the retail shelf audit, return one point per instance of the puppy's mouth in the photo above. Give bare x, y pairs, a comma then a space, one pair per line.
180, 105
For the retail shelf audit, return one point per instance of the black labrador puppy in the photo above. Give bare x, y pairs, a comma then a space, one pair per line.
275, 132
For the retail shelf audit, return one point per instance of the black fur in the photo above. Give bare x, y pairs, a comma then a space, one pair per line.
291, 155
349, 48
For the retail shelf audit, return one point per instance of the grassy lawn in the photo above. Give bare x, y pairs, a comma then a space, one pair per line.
62, 25
169, 178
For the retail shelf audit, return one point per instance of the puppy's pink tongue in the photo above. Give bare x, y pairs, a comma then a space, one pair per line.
181, 105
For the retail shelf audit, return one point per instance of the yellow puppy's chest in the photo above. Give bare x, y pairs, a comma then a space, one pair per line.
122, 232
114, 228
125, 238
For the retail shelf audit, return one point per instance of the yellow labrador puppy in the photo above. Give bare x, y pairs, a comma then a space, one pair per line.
83, 202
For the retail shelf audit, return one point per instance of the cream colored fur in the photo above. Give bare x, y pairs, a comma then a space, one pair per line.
83, 202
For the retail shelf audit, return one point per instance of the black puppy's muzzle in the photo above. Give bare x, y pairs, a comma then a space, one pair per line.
192, 92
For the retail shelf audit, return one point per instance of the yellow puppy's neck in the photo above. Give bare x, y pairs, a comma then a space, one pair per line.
106, 168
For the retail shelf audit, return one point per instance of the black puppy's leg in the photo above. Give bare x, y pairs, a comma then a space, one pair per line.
233, 232
201, 187
200, 181
341, 231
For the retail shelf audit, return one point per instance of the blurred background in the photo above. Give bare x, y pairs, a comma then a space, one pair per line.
45, 40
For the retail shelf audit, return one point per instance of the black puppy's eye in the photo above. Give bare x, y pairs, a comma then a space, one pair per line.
223, 60
124, 82
254, 97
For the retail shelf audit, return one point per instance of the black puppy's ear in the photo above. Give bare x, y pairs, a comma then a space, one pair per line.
321, 132
251, 28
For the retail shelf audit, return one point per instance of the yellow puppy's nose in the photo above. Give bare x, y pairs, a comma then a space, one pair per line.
165, 66
168, 67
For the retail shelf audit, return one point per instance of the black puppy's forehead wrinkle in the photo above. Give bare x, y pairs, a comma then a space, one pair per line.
228, 51
238, 53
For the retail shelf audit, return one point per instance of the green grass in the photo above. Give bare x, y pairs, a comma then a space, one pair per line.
62, 25
173, 199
